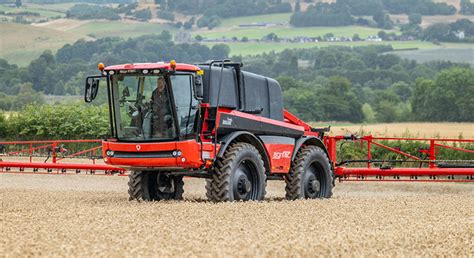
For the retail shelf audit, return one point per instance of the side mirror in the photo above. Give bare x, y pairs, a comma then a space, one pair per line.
92, 88
198, 87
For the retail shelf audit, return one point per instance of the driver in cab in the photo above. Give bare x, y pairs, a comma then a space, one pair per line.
162, 121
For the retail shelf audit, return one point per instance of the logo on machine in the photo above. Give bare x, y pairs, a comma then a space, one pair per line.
283, 154
138, 147
227, 121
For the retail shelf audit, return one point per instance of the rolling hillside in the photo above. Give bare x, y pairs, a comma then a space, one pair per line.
22, 43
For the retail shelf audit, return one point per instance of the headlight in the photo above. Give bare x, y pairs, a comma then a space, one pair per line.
177, 153
110, 153
206, 155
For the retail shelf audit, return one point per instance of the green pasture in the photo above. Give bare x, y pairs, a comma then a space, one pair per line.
20, 43
253, 48
43, 12
289, 32
462, 55
62, 7
270, 18
100, 29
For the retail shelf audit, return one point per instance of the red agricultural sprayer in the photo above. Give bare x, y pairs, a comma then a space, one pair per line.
228, 126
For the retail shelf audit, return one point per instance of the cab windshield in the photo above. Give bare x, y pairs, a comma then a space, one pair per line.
153, 107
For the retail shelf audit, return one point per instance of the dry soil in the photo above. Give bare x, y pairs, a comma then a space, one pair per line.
78, 215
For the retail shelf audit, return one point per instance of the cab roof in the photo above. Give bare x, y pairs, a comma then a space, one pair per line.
151, 66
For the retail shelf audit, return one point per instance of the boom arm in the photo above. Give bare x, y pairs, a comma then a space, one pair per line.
290, 118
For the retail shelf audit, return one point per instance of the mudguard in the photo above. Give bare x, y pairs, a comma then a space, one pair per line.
308, 140
244, 136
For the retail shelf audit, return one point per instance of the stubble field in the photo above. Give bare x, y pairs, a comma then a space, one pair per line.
406, 129
71, 215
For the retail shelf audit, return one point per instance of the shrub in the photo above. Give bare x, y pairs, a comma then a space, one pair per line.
59, 122
143, 15
89, 12
166, 15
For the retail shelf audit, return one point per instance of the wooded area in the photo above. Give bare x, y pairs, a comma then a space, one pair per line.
320, 84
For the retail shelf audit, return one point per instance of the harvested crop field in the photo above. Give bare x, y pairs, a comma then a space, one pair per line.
414, 129
78, 215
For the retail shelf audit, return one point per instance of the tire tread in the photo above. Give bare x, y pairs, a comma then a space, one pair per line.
293, 187
218, 188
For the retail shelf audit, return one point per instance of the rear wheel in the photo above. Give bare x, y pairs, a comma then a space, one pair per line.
310, 175
154, 186
238, 176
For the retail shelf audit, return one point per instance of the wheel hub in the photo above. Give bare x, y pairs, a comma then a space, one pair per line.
165, 184
312, 185
315, 185
244, 185
243, 182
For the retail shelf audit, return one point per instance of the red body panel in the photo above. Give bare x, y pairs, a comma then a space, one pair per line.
191, 150
280, 157
139, 148
189, 159
279, 154
258, 118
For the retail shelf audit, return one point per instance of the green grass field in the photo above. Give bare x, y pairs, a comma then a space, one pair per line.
463, 55
44, 13
62, 8
271, 18
251, 48
22, 43
258, 33
100, 29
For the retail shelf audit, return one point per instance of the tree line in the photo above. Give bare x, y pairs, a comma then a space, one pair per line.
368, 84
225, 8
342, 12
450, 32
89, 12
467, 7
213, 11
321, 84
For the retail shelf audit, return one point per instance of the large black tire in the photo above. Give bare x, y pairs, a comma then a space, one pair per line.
310, 175
238, 176
154, 186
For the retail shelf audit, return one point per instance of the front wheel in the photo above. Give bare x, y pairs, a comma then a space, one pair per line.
310, 175
238, 176
154, 186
